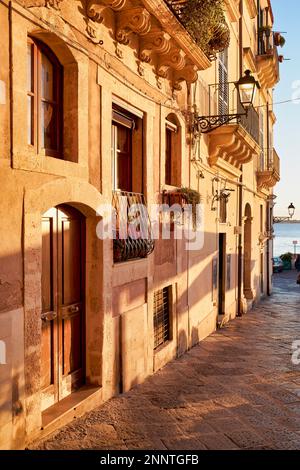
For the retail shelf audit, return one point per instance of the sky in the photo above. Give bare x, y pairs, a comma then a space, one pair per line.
287, 128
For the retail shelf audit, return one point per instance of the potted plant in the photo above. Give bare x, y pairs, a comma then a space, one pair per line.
206, 22
287, 261
265, 30
277, 37
282, 41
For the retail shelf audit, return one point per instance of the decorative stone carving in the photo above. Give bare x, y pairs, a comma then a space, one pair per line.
95, 8
43, 3
157, 41
175, 59
135, 20
118, 50
267, 179
141, 69
231, 144
159, 83
188, 74
93, 32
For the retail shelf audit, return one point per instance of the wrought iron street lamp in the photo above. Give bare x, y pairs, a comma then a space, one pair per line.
291, 212
246, 87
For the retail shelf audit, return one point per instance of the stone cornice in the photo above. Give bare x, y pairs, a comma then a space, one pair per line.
232, 8
251, 4
42, 3
172, 26
160, 35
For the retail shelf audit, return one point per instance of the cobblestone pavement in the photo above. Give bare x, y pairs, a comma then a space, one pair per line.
237, 390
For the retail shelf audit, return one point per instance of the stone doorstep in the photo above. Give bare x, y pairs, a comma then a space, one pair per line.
74, 406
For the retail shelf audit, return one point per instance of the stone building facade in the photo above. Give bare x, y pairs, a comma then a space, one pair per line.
98, 100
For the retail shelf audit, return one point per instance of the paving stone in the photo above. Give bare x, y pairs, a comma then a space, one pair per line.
218, 441
238, 389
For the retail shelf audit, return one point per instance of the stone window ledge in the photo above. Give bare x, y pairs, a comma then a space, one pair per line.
49, 165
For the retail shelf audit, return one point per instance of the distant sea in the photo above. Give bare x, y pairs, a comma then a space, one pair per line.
285, 234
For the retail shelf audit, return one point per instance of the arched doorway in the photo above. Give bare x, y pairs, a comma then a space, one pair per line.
248, 293
63, 294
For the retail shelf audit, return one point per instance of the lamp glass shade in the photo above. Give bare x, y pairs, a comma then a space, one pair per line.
291, 210
247, 88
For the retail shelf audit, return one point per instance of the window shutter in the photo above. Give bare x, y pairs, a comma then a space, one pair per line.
123, 119
223, 83
261, 139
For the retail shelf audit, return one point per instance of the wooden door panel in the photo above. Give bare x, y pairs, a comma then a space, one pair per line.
70, 299
47, 303
72, 350
62, 304
71, 261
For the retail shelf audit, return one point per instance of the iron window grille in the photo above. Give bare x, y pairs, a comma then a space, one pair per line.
128, 248
161, 318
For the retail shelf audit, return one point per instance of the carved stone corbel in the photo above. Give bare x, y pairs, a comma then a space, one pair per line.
135, 20
175, 59
93, 32
188, 74
157, 41
42, 3
95, 8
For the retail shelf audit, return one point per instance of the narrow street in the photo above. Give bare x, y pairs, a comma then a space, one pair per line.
237, 390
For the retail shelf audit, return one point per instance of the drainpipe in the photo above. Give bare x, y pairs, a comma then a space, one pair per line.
11, 81
269, 221
240, 201
189, 111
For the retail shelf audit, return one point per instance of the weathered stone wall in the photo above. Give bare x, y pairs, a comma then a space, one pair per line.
119, 298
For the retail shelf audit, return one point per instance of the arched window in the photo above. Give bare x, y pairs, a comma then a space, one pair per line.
44, 99
173, 151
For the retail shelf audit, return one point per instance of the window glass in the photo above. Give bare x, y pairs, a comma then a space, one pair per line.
47, 79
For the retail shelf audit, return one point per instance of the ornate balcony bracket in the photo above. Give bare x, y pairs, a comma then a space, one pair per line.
135, 20
158, 42
268, 70
175, 60
231, 144
94, 9
206, 124
189, 74
267, 179
43, 3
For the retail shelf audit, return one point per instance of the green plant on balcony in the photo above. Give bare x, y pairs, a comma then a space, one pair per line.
193, 198
265, 30
279, 39
205, 21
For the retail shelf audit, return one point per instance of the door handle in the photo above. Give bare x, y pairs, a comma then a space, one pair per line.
48, 316
74, 309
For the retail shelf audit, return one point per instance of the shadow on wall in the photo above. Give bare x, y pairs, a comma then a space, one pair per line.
11, 297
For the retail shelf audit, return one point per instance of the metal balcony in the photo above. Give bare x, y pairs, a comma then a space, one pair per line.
235, 142
132, 232
268, 174
224, 99
267, 59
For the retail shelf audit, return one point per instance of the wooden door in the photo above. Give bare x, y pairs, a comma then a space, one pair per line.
222, 273
63, 323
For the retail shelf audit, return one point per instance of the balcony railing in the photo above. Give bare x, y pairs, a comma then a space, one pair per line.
265, 41
267, 59
269, 161
268, 174
132, 230
224, 99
